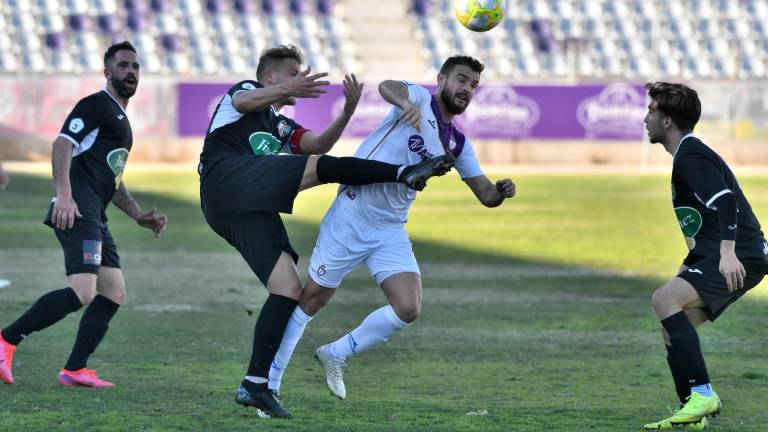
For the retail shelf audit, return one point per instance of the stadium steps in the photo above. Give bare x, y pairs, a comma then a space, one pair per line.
383, 35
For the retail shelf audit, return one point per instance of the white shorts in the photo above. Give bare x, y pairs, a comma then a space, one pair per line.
346, 240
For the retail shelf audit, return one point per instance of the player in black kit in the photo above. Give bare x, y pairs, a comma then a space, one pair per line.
728, 252
88, 159
245, 183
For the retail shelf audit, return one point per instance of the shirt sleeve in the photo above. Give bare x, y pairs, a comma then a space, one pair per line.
84, 119
244, 86
703, 176
467, 164
290, 133
417, 94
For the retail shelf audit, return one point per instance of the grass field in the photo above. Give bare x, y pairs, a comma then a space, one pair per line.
536, 317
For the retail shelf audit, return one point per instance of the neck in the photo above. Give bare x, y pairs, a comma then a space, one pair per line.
444, 113
673, 141
121, 100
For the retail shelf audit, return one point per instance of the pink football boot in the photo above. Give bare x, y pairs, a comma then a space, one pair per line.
82, 377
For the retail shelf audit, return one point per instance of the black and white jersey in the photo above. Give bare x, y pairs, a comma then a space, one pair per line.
699, 177
101, 136
262, 132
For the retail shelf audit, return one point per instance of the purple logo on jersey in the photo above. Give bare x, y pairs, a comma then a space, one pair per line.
416, 145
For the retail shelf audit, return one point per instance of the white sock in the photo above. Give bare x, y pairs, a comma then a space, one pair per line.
291, 337
704, 389
376, 328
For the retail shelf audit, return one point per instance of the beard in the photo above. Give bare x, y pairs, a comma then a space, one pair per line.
451, 106
122, 89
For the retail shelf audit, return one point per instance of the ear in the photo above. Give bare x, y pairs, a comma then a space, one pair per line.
441, 79
268, 79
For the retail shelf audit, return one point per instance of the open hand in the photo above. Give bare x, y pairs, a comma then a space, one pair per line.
305, 85
352, 92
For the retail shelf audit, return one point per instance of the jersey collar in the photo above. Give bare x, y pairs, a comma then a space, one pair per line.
688, 135
106, 90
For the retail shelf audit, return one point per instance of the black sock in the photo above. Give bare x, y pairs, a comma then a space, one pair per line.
682, 387
353, 171
93, 326
270, 326
685, 342
47, 310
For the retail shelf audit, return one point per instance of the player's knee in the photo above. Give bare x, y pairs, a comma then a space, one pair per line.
118, 296
313, 303
85, 294
408, 313
659, 298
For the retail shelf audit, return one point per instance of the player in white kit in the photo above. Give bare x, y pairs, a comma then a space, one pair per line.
366, 224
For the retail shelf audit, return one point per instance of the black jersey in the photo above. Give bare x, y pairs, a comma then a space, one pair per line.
100, 132
699, 177
262, 132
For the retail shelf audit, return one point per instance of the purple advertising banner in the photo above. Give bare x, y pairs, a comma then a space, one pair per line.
613, 111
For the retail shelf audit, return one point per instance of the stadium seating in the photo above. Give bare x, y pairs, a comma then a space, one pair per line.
582, 39
568, 39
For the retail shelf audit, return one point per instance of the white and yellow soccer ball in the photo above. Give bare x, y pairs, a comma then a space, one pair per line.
479, 15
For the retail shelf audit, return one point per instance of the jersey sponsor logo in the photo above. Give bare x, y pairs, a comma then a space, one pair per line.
76, 125
690, 221
416, 145
283, 128
248, 86
264, 144
116, 159
692, 270
91, 252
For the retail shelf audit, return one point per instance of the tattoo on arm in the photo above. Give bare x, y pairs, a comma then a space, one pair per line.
125, 202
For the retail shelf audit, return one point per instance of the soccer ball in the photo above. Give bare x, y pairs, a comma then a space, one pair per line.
479, 15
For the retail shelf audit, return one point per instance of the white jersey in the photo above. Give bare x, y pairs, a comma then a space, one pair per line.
385, 205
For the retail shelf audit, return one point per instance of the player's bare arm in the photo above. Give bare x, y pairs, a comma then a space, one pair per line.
730, 266
491, 194
312, 143
303, 85
64, 209
396, 93
152, 219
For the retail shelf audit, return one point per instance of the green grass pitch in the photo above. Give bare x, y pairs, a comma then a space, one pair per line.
536, 317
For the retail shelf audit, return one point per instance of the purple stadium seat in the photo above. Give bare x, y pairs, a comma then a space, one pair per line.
136, 22
268, 7
297, 7
107, 24
243, 6
158, 5
170, 42
134, 6
213, 6
421, 7
325, 7
54, 41
77, 22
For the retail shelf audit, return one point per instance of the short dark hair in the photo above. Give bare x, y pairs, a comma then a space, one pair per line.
677, 101
270, 56
473, 64
111, 51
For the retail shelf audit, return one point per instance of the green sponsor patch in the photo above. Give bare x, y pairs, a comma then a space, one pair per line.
264, 143
690, 222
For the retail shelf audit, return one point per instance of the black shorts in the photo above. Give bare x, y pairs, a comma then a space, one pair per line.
235, 185
87, 246
705, 277
260, 237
